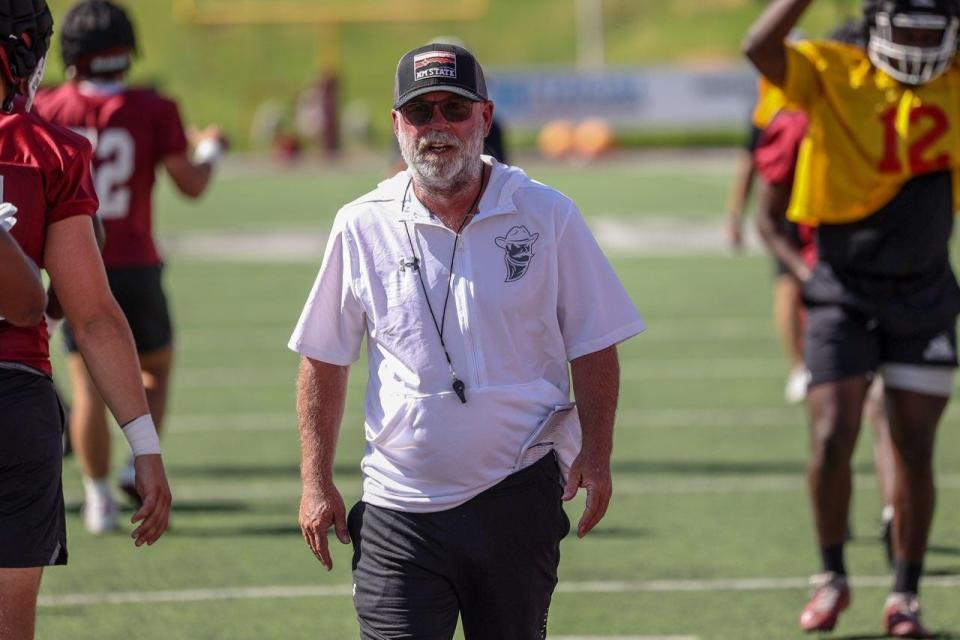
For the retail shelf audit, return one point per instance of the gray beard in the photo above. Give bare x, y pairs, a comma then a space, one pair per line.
435, 175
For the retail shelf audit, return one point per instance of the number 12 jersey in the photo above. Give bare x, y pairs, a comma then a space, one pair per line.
131, 131
869, 135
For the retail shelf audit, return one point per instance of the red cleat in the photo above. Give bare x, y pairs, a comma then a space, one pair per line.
901, 617
831, 595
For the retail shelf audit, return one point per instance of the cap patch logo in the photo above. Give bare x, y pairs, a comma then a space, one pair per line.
435, 64
517, 248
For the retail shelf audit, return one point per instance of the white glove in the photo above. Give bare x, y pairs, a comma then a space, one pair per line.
8, 216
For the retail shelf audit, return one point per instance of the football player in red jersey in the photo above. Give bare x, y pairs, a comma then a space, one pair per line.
44, 172
133, 132
878, 173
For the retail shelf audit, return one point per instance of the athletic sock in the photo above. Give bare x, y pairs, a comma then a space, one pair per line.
907, 578
832, 559
887, 514
98, 490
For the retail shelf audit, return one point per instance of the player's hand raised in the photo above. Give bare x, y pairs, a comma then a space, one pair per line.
154, 513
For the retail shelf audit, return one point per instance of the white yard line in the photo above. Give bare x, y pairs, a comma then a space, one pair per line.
650, 235
553, 637
625, 485
716, 585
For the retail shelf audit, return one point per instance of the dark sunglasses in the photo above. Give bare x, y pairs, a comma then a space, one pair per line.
420, 112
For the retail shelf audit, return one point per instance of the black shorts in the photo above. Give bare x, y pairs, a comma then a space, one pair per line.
856, 322
841, 342
32, 522
139, 292
492, 560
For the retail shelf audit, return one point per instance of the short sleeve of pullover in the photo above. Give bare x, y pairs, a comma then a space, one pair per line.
332, 324
802, 85
70, 192
594, 310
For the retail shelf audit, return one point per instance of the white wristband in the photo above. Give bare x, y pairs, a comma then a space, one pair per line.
208, 151
142, 436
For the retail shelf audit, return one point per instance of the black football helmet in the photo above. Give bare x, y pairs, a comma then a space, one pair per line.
97, 39
25, 30
906, 62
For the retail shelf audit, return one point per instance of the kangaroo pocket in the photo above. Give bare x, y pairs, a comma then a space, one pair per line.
436, 452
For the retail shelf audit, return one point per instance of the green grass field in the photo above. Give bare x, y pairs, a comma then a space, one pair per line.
708, 535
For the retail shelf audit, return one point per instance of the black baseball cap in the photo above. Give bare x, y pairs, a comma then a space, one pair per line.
438, 67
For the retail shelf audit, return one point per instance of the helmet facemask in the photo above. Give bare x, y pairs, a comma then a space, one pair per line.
32, 83
912, 64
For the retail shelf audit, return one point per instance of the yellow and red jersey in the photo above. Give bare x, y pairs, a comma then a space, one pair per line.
868, 134
770, 100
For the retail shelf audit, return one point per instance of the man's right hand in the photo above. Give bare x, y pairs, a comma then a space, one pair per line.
321, 508
735, 232
151, 484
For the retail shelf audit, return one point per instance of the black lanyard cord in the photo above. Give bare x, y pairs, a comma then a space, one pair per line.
457, 384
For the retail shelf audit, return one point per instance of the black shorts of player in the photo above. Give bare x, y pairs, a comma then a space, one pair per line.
843, 342
32, 523
139, 292
894, 323
492, 560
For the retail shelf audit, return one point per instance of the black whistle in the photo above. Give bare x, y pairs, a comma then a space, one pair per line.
460, 389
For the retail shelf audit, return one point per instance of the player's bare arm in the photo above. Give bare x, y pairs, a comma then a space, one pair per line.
21, 292
54, 310
191, 174
73, 261
737, 200
321, 396
596, 386
764, 42
773, 201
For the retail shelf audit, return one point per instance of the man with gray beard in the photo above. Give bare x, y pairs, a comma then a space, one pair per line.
478, 291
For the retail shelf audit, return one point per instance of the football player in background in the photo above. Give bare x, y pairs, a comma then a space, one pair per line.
794, 246
787, 309
46, 177
877, 173
134, 131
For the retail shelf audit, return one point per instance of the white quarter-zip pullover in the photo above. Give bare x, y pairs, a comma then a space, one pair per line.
531, 290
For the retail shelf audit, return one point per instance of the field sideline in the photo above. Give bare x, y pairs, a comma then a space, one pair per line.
708, 537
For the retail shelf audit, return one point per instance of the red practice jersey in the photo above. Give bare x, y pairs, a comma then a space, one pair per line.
132, 130
45, 173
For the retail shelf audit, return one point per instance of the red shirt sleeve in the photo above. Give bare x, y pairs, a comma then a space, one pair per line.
168, 128
775, 157
70, 192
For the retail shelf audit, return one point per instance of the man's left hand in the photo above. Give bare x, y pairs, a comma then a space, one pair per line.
592, 472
